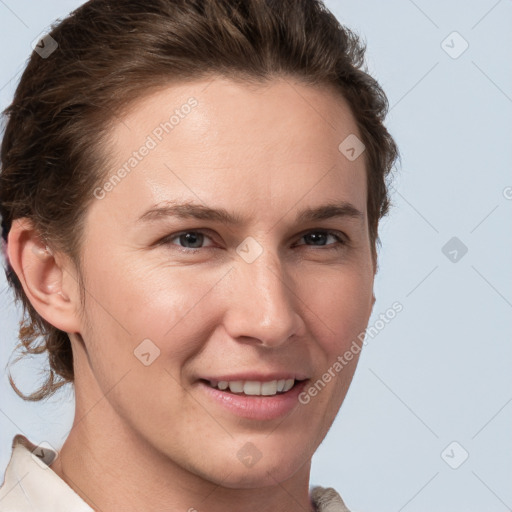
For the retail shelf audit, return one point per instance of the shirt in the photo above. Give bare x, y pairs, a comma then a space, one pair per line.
30, 485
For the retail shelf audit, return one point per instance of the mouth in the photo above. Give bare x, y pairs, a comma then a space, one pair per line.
254, 397
254, 387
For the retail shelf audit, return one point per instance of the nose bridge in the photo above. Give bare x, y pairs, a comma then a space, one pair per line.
262, 302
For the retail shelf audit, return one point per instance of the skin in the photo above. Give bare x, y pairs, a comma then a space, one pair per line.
148, 437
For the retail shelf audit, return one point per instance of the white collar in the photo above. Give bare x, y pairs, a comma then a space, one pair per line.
31, 485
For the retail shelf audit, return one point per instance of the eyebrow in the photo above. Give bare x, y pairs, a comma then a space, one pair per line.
191, 210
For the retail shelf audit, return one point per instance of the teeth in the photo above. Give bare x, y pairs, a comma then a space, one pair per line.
255, 388
251, 387
237, 386
269, 388
288, 384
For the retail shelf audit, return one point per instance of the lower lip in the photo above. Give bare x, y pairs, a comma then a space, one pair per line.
256, 407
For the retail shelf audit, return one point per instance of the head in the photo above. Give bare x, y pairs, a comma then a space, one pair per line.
243, 108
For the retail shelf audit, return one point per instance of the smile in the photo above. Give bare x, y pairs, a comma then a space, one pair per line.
253, 387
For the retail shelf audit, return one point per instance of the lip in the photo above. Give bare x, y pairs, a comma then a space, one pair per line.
261, 408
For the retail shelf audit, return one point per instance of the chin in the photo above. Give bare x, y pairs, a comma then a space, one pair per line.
265, 471
255, 478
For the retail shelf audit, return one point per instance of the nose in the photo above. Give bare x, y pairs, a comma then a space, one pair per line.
263, 303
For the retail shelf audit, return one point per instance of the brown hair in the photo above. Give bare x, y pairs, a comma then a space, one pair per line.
111, 52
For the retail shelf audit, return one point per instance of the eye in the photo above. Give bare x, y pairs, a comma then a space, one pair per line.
320, 236
191, 240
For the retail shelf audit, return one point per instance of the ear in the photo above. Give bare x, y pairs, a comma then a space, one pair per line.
48, 279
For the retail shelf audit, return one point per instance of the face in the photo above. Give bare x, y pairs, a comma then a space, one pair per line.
179, 296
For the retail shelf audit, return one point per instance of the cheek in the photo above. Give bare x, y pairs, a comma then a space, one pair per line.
173, 306
340, 305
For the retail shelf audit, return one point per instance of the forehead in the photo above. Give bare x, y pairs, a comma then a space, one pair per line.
263, 148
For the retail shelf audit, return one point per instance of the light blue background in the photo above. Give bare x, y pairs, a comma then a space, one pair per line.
441, 370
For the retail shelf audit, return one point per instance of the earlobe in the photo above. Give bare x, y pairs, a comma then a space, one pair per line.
42, 276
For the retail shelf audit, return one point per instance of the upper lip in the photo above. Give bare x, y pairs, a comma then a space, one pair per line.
254, 376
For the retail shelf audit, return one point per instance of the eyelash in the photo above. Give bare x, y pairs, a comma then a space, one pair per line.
336, 246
